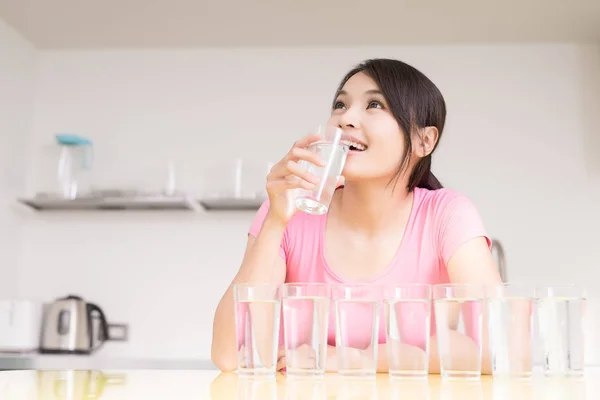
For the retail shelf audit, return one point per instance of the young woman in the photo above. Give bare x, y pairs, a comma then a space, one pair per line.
390, 221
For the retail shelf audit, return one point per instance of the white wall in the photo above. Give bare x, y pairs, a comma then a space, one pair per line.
17, 63
520, 136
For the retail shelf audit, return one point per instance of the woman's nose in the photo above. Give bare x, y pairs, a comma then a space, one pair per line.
349, 119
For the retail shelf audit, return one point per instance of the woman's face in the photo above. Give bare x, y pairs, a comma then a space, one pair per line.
377, 143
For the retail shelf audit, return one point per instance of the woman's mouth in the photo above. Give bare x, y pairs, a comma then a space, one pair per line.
354, 146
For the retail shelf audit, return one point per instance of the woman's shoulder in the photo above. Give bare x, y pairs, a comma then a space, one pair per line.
444, 207
442, 199
453, 217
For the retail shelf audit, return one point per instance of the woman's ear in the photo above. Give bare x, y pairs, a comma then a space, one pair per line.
426, 141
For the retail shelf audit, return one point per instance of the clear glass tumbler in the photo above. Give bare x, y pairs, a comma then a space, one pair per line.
357, 319
458, 312
305, 320
333, 153
408, 321
560, 323
510, 325
257, 319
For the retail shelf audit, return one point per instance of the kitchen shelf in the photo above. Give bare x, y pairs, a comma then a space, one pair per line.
231, 204
112, 203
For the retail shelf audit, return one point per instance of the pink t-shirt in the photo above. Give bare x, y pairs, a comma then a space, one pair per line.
440, 222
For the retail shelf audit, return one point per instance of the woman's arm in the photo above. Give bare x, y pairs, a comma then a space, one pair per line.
412, 356
262, 263
471, 263
382, 364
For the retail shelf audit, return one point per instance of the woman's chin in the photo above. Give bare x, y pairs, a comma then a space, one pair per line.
352, 176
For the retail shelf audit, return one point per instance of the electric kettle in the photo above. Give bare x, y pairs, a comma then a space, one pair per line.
69, 329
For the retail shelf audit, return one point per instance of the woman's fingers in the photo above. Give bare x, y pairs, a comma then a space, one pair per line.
279, 186
293, 174
301, 154
281, 363
303, 356
280, 358
290, 164
296, 170
294, 178
288, 174
307, 140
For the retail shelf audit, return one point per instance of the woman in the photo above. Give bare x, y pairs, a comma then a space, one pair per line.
389, 221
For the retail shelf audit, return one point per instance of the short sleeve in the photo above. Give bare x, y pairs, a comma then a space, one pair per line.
257, 224
458, 222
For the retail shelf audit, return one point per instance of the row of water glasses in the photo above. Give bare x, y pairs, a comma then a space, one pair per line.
518, 320
303, 331
297, 316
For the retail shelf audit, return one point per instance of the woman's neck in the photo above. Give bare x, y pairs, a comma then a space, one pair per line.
374, 208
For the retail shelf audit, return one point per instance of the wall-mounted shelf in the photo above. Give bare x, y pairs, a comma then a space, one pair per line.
115, 201
111, 203
232, 204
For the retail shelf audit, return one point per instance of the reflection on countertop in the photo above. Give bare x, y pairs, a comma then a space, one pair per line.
210, 384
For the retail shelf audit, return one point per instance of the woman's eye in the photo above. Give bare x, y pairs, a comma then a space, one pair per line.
375, 104
339, 105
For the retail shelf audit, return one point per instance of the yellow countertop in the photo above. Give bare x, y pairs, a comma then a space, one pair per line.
199, 384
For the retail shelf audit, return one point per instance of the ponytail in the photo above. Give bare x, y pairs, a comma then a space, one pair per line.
422, 177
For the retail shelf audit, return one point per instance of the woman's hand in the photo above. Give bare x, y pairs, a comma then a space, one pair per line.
302, 357
280, 359
406, 357
287, 175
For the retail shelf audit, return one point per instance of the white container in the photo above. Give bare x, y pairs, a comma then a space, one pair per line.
20, 325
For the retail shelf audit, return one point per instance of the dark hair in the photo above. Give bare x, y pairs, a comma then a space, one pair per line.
415, 102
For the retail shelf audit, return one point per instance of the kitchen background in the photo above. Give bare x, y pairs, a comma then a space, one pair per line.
522, 140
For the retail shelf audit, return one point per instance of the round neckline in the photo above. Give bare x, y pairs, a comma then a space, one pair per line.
389, 267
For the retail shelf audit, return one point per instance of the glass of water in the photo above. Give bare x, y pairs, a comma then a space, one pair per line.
257, 318
333, 153
408, 320
357, 319
305, 321
560, 326
510, 327
458, 312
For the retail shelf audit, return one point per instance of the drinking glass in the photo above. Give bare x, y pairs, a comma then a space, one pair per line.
408, 321
458, 312
510, 327
560, 325
333, 153
257, 318
305, 320
357, 313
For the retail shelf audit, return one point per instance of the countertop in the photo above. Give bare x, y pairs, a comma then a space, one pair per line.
96, 361
210, 384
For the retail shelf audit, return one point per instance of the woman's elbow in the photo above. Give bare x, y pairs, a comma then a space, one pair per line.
223, 362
